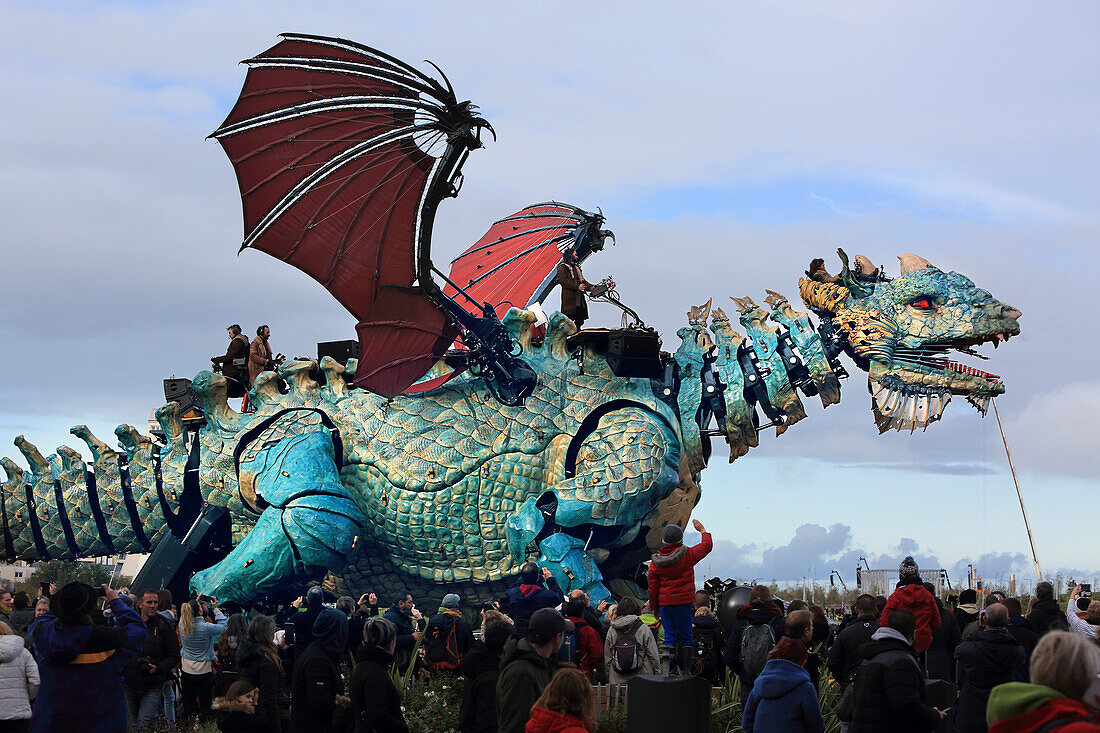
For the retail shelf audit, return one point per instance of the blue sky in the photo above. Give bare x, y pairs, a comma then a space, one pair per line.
727, 145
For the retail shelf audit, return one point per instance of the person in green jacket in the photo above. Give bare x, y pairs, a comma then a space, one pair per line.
526, 669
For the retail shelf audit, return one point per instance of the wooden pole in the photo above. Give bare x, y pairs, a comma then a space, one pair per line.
1020, 496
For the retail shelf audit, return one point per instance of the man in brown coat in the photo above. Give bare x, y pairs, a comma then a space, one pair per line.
259, 354
234, 362
573, 287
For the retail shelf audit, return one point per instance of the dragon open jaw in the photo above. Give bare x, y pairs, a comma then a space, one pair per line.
913, 390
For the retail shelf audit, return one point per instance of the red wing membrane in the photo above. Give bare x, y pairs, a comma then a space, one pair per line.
342, 154
515, 262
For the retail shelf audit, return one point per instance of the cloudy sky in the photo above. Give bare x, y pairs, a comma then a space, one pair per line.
727, 144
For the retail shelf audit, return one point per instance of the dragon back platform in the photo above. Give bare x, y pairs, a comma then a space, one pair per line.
469, 436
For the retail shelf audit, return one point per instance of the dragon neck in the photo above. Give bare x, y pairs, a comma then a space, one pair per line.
736, 385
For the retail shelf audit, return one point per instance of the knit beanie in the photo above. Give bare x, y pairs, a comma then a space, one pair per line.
968, 596
451, 600
909, 571
672, 535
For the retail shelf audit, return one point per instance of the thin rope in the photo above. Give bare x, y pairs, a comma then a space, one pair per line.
1020, 496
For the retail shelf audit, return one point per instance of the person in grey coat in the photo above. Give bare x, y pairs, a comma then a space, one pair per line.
18, 681
627, 622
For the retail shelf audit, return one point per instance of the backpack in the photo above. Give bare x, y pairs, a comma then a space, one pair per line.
441, 647
625, 655
706, 654
756, 641
569, 651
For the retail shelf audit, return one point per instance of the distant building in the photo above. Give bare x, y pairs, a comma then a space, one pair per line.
18, 571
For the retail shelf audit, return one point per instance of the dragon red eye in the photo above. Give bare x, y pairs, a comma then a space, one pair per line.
921, 304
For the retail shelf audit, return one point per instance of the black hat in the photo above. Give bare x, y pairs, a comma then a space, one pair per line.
545, 624
908, 570
73, 602
672, 534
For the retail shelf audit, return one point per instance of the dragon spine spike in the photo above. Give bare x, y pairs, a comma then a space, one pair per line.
297, 375
698, 314
35, 459
912, 263
335, 386
265, 390
98, 448
212, 391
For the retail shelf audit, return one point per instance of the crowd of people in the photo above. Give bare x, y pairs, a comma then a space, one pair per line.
99, 660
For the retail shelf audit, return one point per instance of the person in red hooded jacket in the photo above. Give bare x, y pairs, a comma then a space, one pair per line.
913, 597
672, 588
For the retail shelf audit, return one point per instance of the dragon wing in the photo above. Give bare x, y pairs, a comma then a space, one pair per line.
342, 155
515, 262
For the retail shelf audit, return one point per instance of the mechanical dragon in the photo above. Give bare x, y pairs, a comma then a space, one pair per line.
464, 441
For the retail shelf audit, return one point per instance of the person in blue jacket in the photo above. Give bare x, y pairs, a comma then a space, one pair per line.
80, 662
783, 700
528, 595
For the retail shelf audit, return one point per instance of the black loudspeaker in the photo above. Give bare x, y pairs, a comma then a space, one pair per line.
174, 560
942, 694
664, 704
730, 603
180, 392
634, 354
341, 351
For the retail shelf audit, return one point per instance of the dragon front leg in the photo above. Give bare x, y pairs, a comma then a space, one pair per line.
615, 477
307, 521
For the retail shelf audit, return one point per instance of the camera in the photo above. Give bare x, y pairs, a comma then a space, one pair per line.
1086, 590
100, 591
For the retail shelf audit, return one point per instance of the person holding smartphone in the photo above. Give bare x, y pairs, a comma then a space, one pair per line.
1084, 626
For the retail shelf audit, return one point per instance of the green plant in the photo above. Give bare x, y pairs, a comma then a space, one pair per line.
432, 706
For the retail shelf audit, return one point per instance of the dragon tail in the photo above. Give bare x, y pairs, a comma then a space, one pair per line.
63, 508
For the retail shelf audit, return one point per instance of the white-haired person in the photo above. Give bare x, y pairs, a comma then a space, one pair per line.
1064, 692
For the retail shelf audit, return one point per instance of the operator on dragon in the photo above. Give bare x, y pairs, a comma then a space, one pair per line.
672, 588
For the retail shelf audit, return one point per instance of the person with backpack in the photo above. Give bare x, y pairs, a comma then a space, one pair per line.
672, 588
709, 643
758, 628
582, 646
630, 648
448, 637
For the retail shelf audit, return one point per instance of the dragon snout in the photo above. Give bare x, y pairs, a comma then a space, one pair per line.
1007, 311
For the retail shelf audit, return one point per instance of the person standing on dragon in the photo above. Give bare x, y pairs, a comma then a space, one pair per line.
455, 448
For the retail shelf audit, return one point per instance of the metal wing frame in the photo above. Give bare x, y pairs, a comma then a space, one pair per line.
343, 154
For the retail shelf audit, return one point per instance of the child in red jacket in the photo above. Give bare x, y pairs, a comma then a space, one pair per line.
912, 596
672, 588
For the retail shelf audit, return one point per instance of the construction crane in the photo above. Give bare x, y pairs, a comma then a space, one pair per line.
837, 574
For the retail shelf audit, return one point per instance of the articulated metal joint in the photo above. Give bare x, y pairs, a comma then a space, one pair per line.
834, 343
797, 373
756, 393
714, 401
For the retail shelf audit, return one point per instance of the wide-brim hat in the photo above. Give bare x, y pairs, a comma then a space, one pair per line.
73, 602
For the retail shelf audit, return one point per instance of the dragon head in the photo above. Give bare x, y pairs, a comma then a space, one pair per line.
903, 330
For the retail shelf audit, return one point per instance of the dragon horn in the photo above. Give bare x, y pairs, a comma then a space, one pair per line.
912, 263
